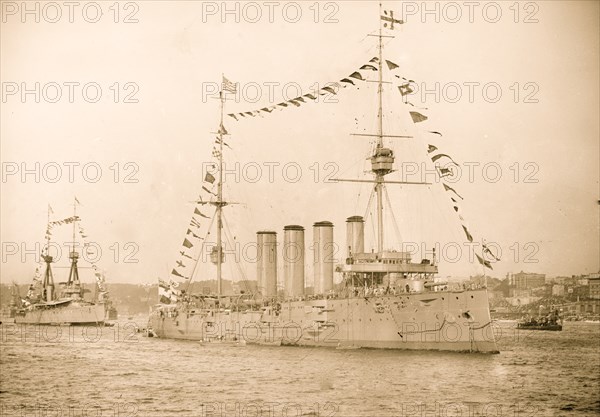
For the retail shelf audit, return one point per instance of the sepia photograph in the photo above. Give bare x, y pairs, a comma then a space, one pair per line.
299, 208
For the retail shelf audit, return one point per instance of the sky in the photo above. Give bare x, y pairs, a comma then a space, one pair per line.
517, 104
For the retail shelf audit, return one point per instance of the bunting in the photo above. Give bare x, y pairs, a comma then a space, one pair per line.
469, 237
209, 178
487, 250
391, 65
405, 90
448, 188
417, 117
177, 274
369, 67
443, 172
483, 262
330, 88
199, 213
189, 232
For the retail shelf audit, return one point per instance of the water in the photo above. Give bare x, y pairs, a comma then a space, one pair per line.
124, 374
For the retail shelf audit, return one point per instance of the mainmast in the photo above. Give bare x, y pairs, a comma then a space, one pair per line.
380, 175
220, 198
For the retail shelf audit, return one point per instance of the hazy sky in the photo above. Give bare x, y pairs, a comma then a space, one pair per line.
541, 134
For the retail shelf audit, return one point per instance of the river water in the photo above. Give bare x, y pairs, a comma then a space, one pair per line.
74, 371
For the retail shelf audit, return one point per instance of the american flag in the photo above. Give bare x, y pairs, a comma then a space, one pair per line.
229, 86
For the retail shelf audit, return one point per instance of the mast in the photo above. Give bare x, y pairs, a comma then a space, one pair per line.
73, 255
48, 284
378, 175
220, 198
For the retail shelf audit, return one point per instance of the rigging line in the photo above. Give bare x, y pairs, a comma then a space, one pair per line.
370, 217
394, 221
228, 236
212, 221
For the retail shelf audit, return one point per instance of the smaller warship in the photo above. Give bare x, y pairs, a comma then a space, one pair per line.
64, 304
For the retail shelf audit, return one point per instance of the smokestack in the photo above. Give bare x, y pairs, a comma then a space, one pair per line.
323, 257
266, 265
293, 260
355, 235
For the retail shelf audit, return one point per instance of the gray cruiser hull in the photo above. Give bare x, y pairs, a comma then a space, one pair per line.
448, 321
71, 314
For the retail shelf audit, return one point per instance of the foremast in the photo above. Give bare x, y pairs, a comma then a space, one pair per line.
372, 268
48, 283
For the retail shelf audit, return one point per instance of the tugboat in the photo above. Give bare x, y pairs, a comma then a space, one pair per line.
385, 299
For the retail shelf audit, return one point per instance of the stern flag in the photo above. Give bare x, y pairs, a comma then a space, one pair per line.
388, 17
50, 209
228, 86
77, 201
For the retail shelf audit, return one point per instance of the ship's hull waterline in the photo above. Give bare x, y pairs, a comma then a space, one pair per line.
72, 314
446, 321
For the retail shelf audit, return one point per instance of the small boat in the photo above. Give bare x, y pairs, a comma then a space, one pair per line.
551, 322
537, 326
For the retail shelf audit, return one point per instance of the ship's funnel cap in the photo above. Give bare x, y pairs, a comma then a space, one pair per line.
354, 219
293, 227
323, 224
266, 232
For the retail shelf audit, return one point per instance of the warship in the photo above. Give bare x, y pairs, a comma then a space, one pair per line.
385, 299
64, 304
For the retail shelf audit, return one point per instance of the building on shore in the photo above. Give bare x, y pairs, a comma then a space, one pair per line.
527, 281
